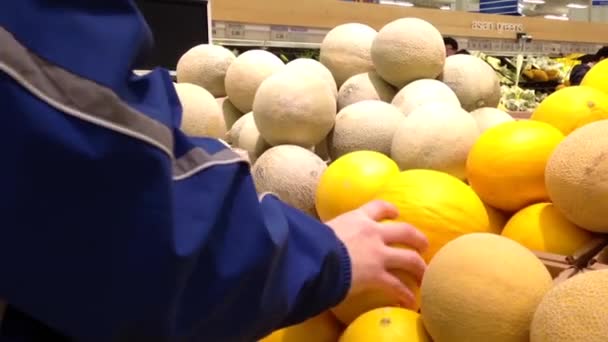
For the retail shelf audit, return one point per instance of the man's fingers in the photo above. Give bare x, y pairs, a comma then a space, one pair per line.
380, 210
404, 294
404, 234
406, 260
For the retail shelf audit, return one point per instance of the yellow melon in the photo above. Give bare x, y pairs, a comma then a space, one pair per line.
438, 204
596, 77
386, 325
574, 310
576, 177
424, 91
292, 173
205, 65
293, 107
345, 51
321, 328
572, 107
351, 181
488, 117
541, 227
246, 74
201, 115
408, 49
473, 80
366, 86
498, 219
482, 287
367, 125
506, 166
435, 136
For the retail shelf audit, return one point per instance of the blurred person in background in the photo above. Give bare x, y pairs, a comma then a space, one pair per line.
451, 46
587, 62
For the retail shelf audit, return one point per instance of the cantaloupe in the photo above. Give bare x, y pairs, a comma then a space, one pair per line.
574, 310
473, 80
292, 173
423, 91
314, 67
488, 117
368, 125
201, 115
576, 177
435, 136
245, 75
293, 107
406, 50
345, 51
205, 65
250, 139
482, 287
232, 136
231, 113
366, 86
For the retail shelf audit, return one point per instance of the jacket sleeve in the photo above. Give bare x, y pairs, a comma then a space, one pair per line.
116, 226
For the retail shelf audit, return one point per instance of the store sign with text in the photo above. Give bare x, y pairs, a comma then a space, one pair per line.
496, 26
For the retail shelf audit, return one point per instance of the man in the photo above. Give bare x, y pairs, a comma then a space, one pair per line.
451, 46
118, 227
587, 62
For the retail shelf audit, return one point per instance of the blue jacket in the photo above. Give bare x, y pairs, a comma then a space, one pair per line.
115, 225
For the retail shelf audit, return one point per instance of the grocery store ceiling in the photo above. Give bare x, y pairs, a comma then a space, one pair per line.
529, 7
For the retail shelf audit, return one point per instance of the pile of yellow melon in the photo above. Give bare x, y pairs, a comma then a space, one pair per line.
385, 115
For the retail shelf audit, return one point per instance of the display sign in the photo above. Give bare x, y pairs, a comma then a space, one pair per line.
510, 7
599, 2
496, 26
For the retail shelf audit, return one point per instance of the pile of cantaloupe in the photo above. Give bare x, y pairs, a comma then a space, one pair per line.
385, 115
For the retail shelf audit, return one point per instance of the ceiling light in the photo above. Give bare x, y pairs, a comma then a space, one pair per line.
445, 7
537, 2
556, 17
577, 6
396, 3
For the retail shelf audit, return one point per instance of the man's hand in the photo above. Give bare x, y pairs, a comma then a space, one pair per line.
368, 240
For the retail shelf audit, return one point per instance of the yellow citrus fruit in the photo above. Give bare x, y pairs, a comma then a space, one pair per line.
541, 227
351, 181
355, 305
438, 204
387, 325
321, 328
570, 108
597, 77
506, 166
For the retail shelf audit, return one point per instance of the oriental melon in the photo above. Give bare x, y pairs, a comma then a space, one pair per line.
482, 287
424, 91
205, 65
473, 80
245, 75
575, 310
366, 86
576, 177
368, 125
293, 107
345, 51
408, 49
435, 136
201, 115
292, 173
324, 328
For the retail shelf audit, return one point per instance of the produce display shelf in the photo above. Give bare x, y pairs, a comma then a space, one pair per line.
265, 43
562, 267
